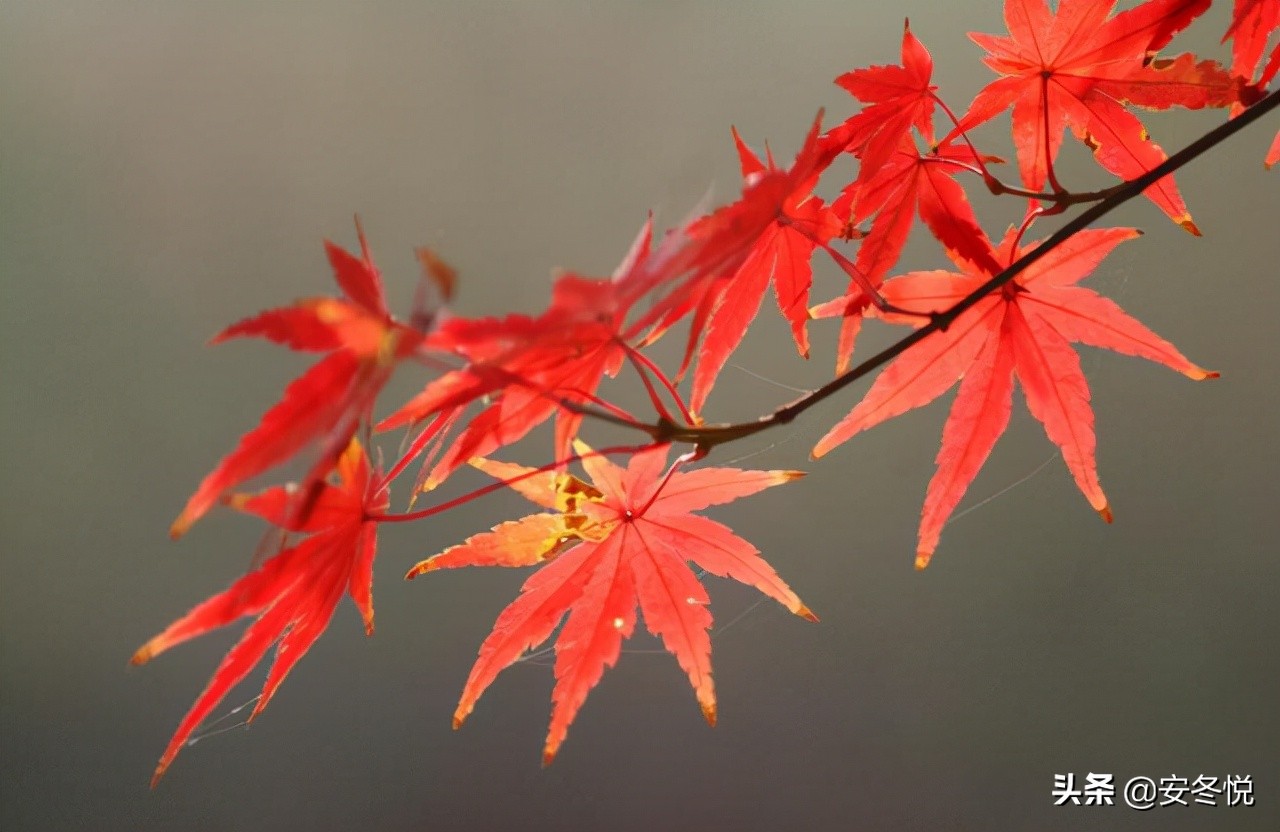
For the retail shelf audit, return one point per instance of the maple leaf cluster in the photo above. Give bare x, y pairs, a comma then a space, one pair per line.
622, 541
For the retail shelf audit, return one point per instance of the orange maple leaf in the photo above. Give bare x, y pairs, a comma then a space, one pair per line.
621, 541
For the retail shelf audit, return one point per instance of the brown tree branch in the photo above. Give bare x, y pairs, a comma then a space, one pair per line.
706, 437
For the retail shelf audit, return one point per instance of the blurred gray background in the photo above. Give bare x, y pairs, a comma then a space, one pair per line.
166, 169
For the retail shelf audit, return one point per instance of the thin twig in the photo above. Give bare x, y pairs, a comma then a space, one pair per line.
421, 514
997, 187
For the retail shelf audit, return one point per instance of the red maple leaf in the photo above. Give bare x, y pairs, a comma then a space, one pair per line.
782, 254
694, 260
1024, 331
623, 540
586, 332
717, 267
326, 403
898, 97
1078, 68
529, 366
293, 594
907, 183
1252, 23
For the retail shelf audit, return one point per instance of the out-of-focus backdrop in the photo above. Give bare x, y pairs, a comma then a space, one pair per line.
168, 168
